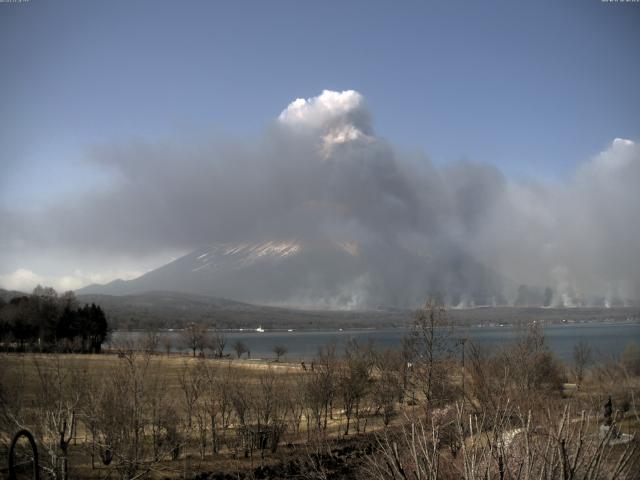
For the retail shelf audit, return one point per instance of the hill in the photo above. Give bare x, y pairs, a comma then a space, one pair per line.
174, 309
165, 309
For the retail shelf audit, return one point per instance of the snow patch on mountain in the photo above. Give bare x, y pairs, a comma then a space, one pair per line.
245, 254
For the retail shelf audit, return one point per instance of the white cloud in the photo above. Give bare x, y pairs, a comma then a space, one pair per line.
21, 280
620, 154
326, 108
25, 280
335, 117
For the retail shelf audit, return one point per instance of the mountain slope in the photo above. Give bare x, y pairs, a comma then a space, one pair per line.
174, 310
321, 274
259, 273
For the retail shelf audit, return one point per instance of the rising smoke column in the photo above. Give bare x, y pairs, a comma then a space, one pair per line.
321, 175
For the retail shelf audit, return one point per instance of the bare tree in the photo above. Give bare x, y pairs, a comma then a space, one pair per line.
485, 386
13, 407
319, 386
167, 343
241, 395
388, 388
240, 348
202, 417
217, 399
581, 357
194, 337
508, 444
161, 417
279, 351
60, 391
271, 407
191, 381
431, 336
121, 417
533, 370
354, 377
151, 341
526, 372
630, 358
295, 397
219, 342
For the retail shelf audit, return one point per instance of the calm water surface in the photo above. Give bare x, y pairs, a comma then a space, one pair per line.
606, 340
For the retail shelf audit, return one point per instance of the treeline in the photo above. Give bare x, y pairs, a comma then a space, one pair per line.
45, 321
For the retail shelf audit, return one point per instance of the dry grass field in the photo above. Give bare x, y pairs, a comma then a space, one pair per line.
27, 379
135, 415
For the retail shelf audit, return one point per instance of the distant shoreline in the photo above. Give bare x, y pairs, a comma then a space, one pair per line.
244, 330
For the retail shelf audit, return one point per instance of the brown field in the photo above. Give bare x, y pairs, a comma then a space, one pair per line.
24, 372
178, 416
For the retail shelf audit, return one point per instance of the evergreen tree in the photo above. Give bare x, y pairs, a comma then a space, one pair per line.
49, 320
98, 328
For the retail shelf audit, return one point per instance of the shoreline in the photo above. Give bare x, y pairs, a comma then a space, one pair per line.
250, 331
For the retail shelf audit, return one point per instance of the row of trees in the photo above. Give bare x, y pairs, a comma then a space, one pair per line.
199, 340
45, 321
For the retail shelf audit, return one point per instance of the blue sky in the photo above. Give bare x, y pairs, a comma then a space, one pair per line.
534, 88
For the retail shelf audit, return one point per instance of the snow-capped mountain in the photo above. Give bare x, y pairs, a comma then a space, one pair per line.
321, 274
274, 272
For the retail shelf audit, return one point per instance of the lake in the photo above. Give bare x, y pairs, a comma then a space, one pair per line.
606, 339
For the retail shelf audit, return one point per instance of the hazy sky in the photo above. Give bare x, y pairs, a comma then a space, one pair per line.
536, 89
